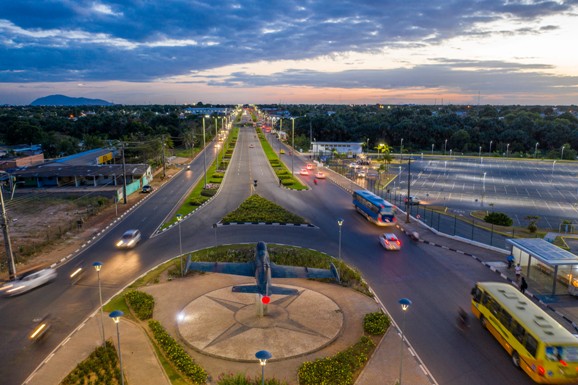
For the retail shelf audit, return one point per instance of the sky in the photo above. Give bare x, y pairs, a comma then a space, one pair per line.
291, 52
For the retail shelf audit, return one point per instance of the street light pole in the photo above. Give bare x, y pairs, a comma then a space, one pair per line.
445, 146
292, 142
562, 154
407, 207
432, 148
340, 224
97, 267
405, 304
483, 188
401, 150
179, 219
490, 152
263, 356
536, 150
204, 152
507, 149
115, 315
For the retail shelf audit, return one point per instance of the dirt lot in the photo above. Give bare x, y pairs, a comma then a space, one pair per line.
45, 230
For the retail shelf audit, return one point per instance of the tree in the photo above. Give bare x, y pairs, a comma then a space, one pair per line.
532, 226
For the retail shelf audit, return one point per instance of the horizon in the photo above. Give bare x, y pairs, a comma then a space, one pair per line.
513, 52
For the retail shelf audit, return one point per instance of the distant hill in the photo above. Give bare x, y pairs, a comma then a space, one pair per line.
62, 100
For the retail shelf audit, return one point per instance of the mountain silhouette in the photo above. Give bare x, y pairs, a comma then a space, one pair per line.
62, 100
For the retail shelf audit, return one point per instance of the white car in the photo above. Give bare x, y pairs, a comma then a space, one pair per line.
28, 281
389, 241
129, 239
320, 175
361, 174
304, 171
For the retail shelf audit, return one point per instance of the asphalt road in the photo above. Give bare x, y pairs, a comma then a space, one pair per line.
435, 280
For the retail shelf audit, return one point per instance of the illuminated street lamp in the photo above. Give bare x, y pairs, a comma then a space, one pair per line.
490, 152
115, 315
507, 149
97, 266
401, 150
179, 219
536, 150
562, 153
445, 146
204, 152
405, 304
340, 224
263, 356
432, 148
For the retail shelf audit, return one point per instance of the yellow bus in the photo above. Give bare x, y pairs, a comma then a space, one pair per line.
538, 344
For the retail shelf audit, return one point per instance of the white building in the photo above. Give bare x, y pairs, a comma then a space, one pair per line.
347, 148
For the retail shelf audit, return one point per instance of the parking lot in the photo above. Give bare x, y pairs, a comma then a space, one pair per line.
547, 189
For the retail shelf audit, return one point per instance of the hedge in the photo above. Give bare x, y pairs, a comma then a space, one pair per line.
376, 324
142, 304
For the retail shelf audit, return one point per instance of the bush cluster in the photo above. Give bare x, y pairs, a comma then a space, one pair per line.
206, 192
197, 201
100, 368
177, 355
376, 324
259, 209
141, 303
499, 219
240, 379
338, 369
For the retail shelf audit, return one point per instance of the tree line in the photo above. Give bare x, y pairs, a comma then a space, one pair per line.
520, 131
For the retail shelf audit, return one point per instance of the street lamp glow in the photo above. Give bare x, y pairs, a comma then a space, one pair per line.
115, 315
98, 266
405, 304
507, 149
445, 146
263, 356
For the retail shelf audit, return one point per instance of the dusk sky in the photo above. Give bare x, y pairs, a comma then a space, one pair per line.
317, 51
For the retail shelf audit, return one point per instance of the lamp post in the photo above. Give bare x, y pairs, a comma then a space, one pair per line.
407, 206
507, 149
115, 315
179, 219
204, 152
553, 163
340, 224
483, 188
405, 304
401, 150
292, 142
445, 146
367, 148
490, 152
97, 266
536, 150
432, 148
562, 153
480, 152
263, 356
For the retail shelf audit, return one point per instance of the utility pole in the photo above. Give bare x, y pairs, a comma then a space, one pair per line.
407, 202
7, 243
123, 174
163, 156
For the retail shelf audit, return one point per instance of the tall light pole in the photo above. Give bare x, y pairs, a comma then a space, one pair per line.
445, 146
490, 152
97, 266
179, 219
115, 315
480, 152
292, 142
562, 153
263, 356
507, 149
432, 148
405, 304
340, 224
553, 163
536, 150
204, 152
483, 188
407, 207
401, 150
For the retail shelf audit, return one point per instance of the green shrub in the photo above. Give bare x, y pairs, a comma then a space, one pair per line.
338, 369
197, 201
376, 324
499, 219
218, 175
101, 367
240, 379
287, 182
208, 192
141, 303
177, 355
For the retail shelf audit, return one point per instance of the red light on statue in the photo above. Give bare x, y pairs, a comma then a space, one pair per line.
266, 299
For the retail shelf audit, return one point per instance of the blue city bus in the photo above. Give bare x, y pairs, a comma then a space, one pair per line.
374, 208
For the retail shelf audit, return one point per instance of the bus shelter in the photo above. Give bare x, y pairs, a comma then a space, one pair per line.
546, 265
